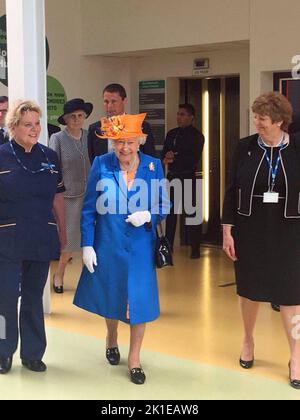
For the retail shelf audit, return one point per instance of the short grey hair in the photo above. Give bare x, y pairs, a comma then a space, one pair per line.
142, 140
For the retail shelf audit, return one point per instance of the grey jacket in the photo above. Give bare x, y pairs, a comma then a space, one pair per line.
74, 161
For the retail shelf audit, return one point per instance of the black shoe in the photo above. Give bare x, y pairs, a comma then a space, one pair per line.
34, 365
195, 254
57, 289
295, 383
137, 376
246, 365
5, 364
275, 307
113, 355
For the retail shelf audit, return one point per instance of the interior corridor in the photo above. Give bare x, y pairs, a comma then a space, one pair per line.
190, 352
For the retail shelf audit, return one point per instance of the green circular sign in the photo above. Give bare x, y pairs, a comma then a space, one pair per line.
56, 98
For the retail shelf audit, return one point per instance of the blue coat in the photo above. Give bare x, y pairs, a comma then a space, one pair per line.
125, 254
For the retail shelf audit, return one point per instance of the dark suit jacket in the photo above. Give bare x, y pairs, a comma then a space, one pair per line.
52, 129
247, 160
4, 138
98, 147
188, 144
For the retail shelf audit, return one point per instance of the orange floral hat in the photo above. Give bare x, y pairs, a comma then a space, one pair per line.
124, 127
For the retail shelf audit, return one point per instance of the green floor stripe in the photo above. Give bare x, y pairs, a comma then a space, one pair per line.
77, 370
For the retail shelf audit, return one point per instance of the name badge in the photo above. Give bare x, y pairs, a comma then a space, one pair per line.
271, 197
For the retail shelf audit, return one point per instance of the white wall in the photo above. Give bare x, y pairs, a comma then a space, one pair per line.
80, 75
274, 40
136, 25
233, 61
76, 28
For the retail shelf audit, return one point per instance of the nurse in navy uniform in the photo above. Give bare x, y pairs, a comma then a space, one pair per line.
32, 233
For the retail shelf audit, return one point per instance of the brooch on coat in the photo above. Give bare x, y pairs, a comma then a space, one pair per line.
151, 166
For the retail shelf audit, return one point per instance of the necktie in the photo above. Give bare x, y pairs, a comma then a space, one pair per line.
2, 135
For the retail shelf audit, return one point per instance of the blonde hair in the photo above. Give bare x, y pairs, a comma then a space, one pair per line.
16, 112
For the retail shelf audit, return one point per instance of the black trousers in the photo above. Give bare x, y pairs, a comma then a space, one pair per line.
194, 232
28, 279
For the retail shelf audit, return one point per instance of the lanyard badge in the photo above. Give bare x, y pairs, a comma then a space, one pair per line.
271, 196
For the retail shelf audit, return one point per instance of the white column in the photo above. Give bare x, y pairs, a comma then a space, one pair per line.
27, 63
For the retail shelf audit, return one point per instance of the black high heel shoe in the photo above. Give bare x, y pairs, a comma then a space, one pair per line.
246, 365
275, 307
295, 383
57, 289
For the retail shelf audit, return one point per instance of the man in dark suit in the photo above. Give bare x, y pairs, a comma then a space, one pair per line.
182, 153
114, 101
52, 129
3, 111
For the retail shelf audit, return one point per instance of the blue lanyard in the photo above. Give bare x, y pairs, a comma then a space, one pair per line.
276, 167
46, 167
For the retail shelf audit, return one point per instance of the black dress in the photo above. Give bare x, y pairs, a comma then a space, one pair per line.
268, 245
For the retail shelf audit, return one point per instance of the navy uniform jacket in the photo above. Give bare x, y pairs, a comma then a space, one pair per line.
98, 147
28, 228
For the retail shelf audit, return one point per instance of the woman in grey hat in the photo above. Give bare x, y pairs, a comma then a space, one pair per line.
71, 146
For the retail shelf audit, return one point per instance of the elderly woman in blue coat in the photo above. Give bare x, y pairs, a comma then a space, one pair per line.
125, 199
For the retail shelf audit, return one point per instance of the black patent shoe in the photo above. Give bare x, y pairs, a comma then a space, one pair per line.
295, 383
34, 365
113, 355
57, 289
137, 376
5, 365
246, 365
275, 307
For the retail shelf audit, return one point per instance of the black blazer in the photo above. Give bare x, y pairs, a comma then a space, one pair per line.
98, 147
52, 129
4, 138
247, 160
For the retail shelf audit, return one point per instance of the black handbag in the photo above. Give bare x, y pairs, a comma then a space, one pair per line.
163, 252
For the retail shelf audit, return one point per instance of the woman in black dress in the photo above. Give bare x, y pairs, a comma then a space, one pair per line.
261, 223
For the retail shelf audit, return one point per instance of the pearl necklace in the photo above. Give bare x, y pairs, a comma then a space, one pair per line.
282, 141
132, 167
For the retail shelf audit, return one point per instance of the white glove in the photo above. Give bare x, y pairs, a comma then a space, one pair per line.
89, 258
139, 218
